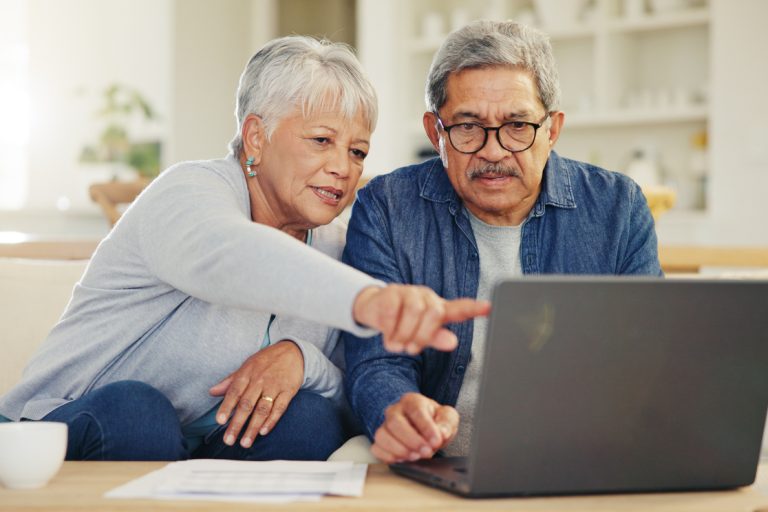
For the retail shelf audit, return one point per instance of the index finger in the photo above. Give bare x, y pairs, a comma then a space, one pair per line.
458, 310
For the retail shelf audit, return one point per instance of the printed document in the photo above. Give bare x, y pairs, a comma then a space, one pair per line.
231, 480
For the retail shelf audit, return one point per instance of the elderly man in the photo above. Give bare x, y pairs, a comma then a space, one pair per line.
498, 201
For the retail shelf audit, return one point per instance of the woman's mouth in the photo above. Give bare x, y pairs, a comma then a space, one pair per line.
328, 195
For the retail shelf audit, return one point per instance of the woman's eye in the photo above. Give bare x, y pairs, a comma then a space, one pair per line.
321, 140
359, 153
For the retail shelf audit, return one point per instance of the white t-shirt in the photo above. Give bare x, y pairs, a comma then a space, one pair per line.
499, 252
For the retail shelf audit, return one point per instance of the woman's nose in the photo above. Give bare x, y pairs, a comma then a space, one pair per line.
339, 164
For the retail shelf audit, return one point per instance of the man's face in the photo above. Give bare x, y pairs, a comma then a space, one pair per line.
497, 186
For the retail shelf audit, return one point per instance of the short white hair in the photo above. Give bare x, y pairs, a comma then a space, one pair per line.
299, 72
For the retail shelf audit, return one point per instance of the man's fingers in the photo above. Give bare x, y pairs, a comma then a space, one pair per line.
407, 434
459, 310
383, 455
388, 448
424, 423
447, 420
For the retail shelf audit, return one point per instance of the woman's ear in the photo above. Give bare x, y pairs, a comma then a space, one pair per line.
254, 136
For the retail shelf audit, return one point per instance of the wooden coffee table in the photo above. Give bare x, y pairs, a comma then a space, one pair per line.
80, 486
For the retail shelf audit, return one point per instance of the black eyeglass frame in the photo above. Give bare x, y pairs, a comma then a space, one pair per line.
486, 129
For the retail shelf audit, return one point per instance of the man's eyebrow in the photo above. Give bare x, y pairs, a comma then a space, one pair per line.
473, 116
466, 115
521, 114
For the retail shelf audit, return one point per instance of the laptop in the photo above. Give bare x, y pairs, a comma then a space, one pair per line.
612, 384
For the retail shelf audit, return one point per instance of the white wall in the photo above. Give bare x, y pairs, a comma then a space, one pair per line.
739, 129
211, 46
77, 48
184, 56
379, 51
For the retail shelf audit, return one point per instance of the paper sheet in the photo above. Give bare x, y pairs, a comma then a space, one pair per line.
228, 480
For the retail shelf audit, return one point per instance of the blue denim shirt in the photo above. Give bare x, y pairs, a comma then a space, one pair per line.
410, 226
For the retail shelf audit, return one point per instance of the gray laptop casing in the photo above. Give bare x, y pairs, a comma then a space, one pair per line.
600, 385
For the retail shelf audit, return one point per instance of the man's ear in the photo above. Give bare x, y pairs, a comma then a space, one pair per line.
557, 119
430, 127
253, 135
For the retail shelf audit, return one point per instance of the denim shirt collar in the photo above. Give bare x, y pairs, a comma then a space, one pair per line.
556, 189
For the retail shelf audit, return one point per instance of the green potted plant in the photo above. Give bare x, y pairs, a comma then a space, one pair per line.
121, 106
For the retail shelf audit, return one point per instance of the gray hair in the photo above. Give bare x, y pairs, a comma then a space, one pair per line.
298, 72
483, 44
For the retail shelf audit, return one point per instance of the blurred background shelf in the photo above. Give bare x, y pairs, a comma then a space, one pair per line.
681, 81
631, 117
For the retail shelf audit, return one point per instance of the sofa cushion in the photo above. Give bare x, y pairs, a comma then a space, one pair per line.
33, 295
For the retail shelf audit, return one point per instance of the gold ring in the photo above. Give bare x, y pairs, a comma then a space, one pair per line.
267, 398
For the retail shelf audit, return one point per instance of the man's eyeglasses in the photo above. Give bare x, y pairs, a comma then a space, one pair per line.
514, 136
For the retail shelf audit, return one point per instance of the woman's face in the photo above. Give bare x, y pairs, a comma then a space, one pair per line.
308, 171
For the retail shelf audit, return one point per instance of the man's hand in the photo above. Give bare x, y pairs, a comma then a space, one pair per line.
260, 389
411, 318
414, 428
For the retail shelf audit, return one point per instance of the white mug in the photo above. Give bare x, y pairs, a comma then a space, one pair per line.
31, 452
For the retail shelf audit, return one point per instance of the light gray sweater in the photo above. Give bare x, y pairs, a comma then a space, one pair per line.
180, 293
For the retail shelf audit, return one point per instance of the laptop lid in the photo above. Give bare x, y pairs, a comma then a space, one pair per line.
594, 385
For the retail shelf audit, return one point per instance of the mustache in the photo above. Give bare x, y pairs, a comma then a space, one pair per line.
495, 170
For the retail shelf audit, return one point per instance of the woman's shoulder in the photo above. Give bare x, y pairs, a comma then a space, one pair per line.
186, 183
195, 170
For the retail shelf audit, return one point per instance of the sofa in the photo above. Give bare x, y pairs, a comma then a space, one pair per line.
33, 295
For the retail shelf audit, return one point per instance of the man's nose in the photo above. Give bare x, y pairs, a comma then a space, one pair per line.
493, 151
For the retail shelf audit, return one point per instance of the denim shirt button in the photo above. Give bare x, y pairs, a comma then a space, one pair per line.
459, 369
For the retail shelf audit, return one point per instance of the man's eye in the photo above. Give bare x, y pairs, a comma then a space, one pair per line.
321, 140
517, 125
468, 127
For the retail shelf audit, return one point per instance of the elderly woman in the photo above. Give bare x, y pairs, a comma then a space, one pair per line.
216, 279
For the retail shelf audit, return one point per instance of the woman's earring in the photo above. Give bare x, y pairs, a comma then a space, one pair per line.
248, 163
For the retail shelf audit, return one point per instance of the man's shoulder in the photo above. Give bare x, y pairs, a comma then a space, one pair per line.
592, 175
586, 178
408, 179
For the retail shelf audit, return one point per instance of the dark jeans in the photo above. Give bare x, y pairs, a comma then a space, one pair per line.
312, 428
130, 420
